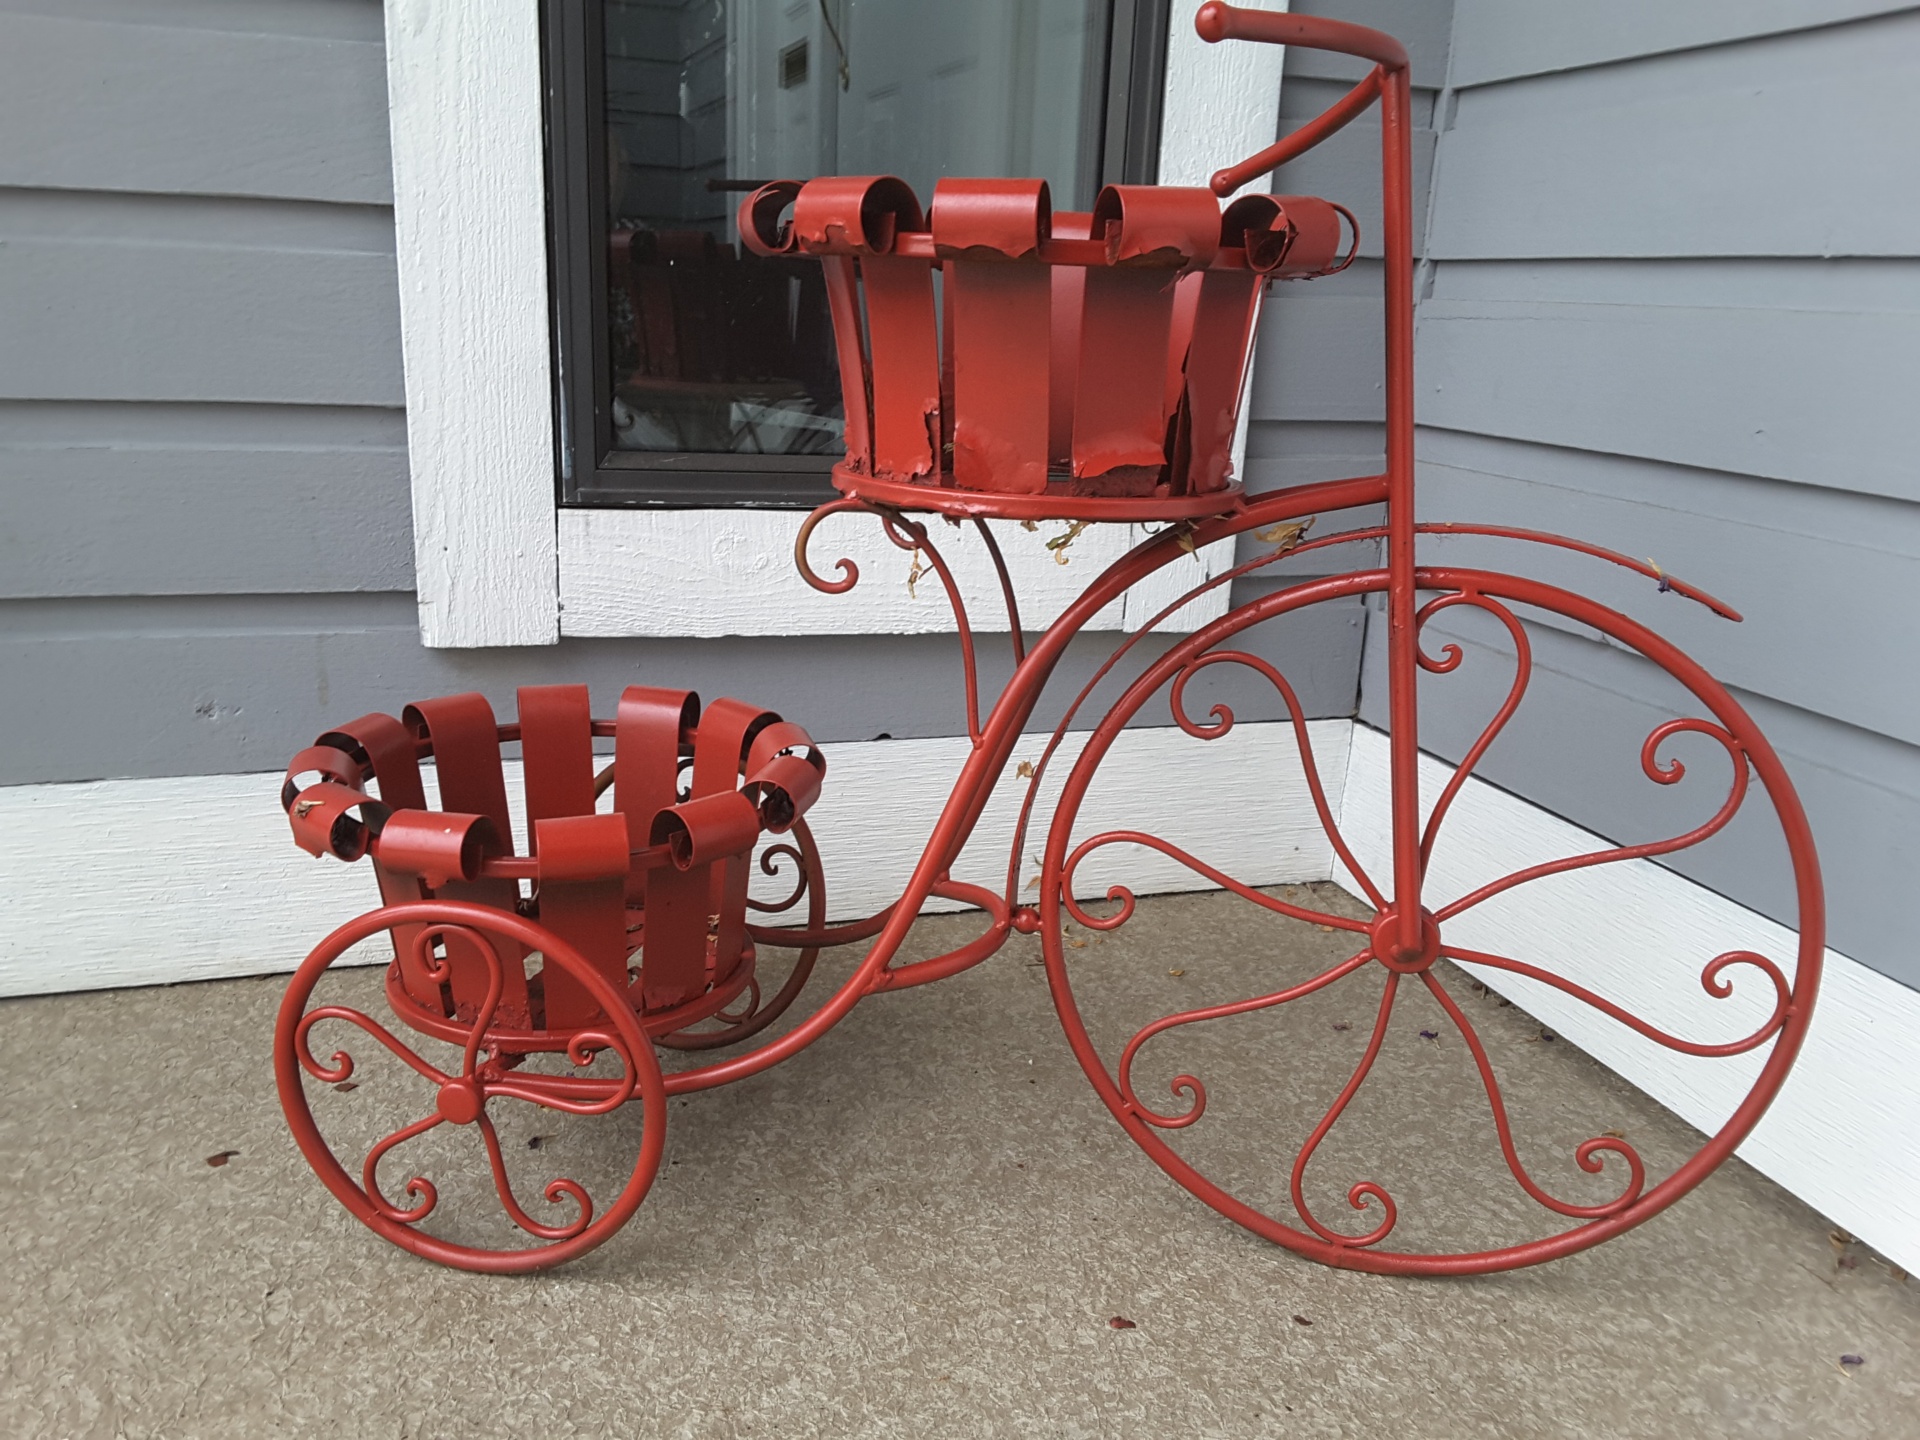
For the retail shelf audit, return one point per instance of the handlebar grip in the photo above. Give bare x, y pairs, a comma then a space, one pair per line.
1217, 21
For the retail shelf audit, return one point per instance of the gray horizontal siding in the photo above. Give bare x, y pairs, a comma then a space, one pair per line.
186, 685
170, 499
1494, 41
1825, 580
116, 101
197, 302
1792, 370
1673, 307
1775, 146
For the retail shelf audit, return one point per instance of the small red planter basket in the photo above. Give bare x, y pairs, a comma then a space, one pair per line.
1069, 365
616, 929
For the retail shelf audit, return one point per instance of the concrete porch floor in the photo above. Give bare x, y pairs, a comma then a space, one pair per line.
922, 1226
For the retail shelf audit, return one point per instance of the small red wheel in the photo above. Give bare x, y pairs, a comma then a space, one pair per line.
1760, 1048
462, 1084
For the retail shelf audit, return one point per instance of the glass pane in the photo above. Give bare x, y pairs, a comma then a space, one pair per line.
718, 351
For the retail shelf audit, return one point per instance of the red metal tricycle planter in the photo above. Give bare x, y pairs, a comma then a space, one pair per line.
1077, 367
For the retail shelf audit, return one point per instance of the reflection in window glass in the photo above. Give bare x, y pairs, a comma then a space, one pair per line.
718, 351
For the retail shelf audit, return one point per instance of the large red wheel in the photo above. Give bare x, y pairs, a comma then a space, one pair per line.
1761, 1044
464, 1089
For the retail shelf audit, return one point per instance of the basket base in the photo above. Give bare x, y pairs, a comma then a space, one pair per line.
1047, 505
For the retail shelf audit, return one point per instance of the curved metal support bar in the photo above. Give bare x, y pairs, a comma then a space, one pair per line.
968, 955
1014, 631
1539, 537
912, 535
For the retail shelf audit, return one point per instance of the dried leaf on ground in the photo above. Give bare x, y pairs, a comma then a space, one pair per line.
1120, 1322
220, 1158
1024, 770
1176, 973
1301, 1320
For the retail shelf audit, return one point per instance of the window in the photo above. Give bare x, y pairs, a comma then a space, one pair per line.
496, 268
692, 374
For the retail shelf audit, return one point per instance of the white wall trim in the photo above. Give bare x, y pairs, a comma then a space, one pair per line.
469, 218
733, 574
105, 889
494, 561
1844, 1133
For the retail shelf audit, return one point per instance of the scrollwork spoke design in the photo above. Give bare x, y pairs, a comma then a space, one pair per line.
1364, 1192
1710, 981
479, 1076
1192, 862
1668, 773
1189, 1085
555, 1190
1450, 657
1585, 1155
1223, 722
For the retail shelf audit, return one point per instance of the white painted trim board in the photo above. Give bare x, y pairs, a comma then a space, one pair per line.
494, 557
733, 574
106, 888
1844, 1133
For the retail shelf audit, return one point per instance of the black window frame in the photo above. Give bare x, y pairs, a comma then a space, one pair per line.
589, 472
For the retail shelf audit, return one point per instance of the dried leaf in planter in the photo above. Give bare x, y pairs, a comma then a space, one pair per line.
1058, 545
1301, 1320
220, 1158
1120, 1322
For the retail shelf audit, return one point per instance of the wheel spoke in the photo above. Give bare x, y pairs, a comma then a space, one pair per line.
1584, 1156
1187, 1084
1710, 981
1366, 1191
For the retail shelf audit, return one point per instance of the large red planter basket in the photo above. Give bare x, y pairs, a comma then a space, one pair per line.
1080, 365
